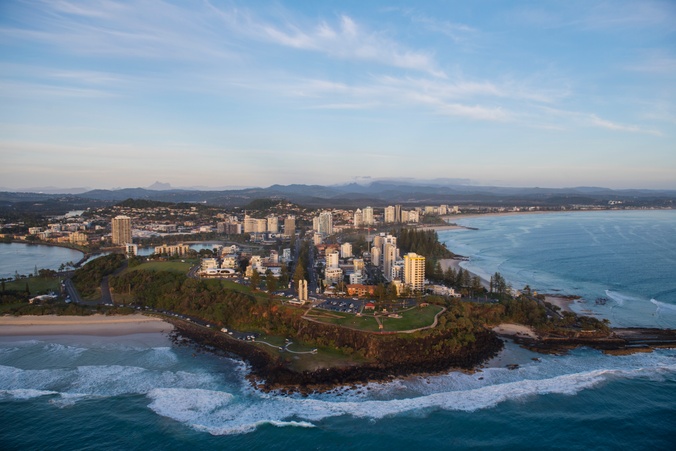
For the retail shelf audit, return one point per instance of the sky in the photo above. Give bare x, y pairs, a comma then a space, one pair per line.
106, 94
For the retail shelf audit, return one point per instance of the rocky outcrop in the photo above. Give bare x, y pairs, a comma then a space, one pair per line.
388, 356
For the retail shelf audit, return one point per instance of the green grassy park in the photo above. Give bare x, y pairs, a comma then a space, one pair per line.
414, 318
36, 285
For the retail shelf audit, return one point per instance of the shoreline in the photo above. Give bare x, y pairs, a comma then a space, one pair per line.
98, 325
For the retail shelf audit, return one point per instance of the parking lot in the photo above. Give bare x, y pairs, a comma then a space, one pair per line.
345, 305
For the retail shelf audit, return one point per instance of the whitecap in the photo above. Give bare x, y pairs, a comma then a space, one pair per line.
25, 393
663, 306
221, 413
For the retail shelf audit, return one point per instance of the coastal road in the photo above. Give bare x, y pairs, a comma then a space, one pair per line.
72, 291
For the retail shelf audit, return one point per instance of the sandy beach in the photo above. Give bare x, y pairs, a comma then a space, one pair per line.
441, 227
562, 302
515, 329
99, 325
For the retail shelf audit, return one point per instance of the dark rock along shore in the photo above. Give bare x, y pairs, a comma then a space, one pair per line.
268, 373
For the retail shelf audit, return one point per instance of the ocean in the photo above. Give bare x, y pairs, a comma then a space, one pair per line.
625, 260
142, 392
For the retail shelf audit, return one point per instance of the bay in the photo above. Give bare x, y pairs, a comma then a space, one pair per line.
23, 258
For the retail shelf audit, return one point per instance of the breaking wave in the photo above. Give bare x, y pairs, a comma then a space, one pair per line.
222, 413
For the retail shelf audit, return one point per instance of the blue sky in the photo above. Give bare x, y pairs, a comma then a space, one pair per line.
224, 93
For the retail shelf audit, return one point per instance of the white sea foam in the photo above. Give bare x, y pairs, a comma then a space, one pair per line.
78, 383
618, 298
25, 393
220, 413
662, 306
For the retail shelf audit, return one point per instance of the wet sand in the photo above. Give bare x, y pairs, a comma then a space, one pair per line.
99, 325
562, 302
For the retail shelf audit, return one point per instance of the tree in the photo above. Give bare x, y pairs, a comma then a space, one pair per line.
476, 285
284, 276
255, 279
299, 273
465, 279
270, 281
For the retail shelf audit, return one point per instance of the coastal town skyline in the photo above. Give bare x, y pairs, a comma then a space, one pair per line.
230, 94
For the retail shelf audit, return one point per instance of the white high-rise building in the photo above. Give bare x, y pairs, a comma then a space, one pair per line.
368, 216
324, 223
358, 218
332, 259
414, 271
389, 257
345, 250
121, 227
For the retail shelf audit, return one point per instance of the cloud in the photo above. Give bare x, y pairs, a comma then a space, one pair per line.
456, 31
618, 15
658, 63
593, 120
156, 30
345, 39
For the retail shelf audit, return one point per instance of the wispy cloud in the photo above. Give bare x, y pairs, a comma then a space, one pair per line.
593, 120
344, 39
157, 30
618, 15
656, 63
458, 32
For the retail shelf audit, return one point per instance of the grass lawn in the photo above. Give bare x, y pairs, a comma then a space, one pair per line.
36, 285
325, 358
411, 319
171, 266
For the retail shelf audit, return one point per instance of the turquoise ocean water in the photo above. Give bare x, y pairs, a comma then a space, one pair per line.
141, 392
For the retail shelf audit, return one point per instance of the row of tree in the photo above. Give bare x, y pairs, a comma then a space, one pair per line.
87, 279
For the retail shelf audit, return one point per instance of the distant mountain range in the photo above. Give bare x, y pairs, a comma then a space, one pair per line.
377, 194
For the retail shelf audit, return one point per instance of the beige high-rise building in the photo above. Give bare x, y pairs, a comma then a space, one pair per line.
375, 255
345, 250
121, 226
290, 226
414, 271
261, 225
389, 215
367, 216
273, 224
249, 224
358, 218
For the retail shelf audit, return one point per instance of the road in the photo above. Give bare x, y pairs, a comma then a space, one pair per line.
72, 292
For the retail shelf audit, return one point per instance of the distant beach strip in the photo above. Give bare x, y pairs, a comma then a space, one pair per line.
99, 325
